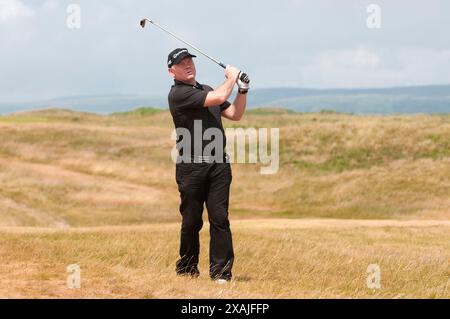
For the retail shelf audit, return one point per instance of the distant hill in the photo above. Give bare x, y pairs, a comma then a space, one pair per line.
101, 104
413, 99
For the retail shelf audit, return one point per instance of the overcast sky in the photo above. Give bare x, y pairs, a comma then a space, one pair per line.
294, 43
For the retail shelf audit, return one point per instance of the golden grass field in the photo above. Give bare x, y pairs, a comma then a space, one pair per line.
100, 192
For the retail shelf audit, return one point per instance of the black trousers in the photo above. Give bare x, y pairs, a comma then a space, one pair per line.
209, 183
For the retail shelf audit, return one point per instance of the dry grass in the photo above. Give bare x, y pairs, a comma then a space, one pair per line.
100, 191
274, 259
66, 165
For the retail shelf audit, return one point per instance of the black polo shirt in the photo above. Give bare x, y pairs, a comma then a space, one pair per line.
186, 104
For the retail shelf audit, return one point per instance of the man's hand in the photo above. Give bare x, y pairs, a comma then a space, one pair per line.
232, 73
243, 86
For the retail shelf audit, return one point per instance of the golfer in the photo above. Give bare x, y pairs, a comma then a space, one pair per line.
203, 179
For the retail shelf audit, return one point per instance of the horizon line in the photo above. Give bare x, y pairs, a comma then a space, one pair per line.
100, 95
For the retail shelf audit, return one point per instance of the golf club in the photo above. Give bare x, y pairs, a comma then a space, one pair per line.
242, 76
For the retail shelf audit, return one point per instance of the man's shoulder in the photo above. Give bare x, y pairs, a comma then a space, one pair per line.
178, 90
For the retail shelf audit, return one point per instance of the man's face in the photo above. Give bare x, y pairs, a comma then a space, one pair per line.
184, 71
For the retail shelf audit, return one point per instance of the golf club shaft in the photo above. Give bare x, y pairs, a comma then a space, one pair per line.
187, 43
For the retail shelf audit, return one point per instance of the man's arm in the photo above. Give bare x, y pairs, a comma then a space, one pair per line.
223, 92
236, 110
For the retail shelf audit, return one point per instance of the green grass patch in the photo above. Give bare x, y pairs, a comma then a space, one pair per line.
269, 111
141, 111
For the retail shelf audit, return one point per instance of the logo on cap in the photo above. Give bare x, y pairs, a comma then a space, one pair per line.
178, 53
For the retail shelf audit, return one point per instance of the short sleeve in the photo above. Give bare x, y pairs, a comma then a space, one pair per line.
188, 98
224, 106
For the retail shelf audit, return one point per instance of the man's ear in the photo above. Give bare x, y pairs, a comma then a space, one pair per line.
171, 72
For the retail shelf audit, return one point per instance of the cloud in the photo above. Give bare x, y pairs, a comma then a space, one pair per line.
362, 66
51, 5
13, 9
358, 58
288, 43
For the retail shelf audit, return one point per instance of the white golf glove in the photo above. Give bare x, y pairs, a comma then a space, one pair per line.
243, 86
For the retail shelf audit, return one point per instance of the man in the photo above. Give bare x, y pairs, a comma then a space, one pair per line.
205, 178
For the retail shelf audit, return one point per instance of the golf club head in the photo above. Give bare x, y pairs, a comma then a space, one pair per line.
142, 23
